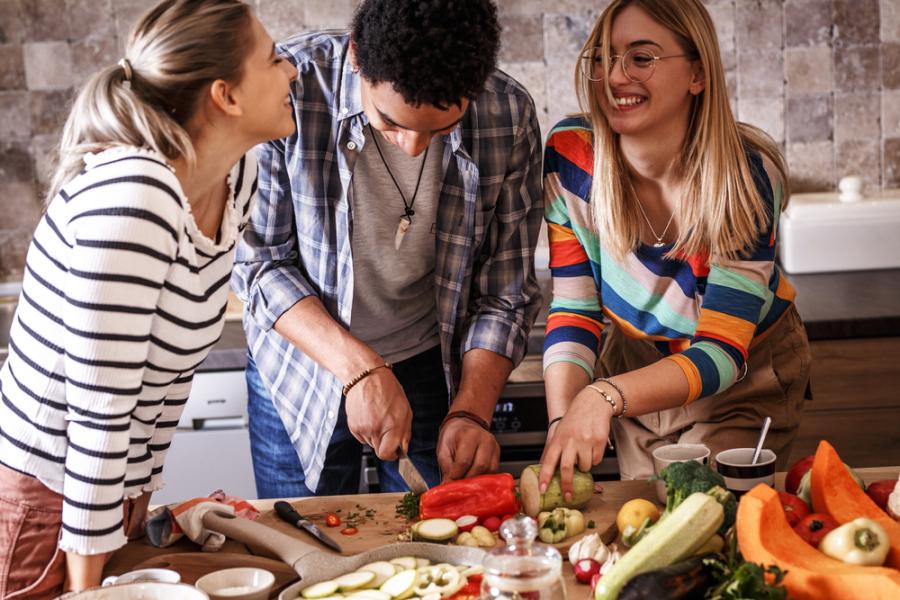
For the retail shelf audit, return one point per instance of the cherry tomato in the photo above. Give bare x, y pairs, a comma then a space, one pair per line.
349, 531
332, 520
814, 526
794, 508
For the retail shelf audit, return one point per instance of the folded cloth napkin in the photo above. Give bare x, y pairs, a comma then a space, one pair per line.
168, 524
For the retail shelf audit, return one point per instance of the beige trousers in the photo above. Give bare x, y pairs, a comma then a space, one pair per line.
776, 384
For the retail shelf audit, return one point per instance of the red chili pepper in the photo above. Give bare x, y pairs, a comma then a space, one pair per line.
483, 496
349, 531
332, 520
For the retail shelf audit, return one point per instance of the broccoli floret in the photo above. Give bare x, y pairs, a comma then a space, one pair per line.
684, 478
729, 505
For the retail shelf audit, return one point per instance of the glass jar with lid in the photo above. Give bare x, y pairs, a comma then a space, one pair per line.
522, 569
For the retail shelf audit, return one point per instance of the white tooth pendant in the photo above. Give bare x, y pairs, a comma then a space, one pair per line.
402, 228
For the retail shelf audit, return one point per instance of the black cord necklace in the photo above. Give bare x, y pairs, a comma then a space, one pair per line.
408, 212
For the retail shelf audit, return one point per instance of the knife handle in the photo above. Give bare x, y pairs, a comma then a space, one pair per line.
287, 512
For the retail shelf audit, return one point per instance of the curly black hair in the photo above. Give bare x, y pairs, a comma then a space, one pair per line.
433, 52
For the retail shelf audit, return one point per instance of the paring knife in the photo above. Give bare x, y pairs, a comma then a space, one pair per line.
289, 515
411, 475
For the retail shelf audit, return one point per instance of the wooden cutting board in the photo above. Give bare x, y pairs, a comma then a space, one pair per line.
194, 565
383, 526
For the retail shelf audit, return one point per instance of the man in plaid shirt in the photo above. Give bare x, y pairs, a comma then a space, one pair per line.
388, 264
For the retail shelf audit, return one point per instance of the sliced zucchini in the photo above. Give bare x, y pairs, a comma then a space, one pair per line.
355, 580
400, 585
383, 571
320, 590
370, 595
405, 562
435, 530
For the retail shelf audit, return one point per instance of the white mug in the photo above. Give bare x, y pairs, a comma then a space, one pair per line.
666, 455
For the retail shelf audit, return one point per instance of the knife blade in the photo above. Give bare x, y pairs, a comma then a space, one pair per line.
289, 515
411, 475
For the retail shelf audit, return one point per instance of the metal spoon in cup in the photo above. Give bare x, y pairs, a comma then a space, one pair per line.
762, 438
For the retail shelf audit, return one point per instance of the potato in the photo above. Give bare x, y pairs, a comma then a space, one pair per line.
483, 536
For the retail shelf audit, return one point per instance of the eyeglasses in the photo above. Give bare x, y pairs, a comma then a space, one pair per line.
637, 64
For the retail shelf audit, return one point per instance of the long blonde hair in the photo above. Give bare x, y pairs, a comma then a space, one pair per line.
174, 52
721, 213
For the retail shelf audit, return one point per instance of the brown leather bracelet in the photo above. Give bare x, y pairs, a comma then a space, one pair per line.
464, 414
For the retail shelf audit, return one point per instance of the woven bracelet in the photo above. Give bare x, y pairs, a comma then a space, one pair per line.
464, 414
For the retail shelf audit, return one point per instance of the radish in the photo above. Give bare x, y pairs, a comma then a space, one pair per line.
467, 522
585, 569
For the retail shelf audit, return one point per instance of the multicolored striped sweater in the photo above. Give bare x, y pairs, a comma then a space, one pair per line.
702, 316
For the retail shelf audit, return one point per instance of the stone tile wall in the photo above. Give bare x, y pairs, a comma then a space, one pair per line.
821, 76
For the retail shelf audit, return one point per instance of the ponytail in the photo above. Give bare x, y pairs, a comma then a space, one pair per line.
146, 100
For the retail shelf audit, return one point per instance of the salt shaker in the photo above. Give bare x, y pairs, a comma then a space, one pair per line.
522, 569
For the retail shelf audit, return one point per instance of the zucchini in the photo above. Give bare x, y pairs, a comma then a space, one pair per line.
534, 502
686, 580
677, 536
434, 530
354, 581
320, 590
400, 585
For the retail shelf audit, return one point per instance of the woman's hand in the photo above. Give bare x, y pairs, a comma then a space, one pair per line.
578, 440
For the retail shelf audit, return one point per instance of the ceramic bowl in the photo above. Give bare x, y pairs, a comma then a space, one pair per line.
140, 591
242, 583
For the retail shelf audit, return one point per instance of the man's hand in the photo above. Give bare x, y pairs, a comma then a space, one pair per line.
465, 449
378, 414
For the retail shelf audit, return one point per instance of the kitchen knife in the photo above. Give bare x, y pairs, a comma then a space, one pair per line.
411, 475
288, 514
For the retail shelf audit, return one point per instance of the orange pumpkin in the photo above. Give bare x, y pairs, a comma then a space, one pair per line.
765, 537
836, 494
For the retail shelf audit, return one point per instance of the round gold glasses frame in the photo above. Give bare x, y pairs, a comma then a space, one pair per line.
638, 64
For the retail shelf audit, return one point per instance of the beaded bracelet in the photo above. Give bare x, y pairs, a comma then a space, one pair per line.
357, 378
616, 387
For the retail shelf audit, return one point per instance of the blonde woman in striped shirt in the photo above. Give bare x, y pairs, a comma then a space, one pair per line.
126, 282
662, 213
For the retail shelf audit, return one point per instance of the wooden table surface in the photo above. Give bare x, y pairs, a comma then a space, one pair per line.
384, 525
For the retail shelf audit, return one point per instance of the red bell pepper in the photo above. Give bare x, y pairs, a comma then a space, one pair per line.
483, 496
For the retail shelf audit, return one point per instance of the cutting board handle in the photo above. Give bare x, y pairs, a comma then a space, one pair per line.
289, 549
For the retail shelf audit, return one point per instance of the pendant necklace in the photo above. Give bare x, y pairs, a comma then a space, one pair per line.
659, 238
408, 212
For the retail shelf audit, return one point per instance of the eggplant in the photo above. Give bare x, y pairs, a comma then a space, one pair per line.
685, 580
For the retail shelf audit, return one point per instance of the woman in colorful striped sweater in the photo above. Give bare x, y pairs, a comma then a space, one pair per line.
126, 282
662, 214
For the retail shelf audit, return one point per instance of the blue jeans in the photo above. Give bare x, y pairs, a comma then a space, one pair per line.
277, 468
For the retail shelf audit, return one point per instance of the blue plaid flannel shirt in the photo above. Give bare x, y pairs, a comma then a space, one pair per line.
297, 243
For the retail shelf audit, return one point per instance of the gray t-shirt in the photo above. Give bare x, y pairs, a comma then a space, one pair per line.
393, 290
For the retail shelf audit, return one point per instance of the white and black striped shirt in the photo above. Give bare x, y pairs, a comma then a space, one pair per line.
122, 298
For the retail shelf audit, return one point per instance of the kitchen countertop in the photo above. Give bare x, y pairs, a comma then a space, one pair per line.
832, 306
386, 525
